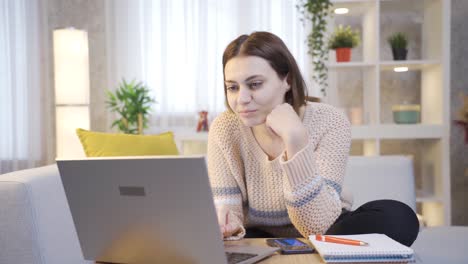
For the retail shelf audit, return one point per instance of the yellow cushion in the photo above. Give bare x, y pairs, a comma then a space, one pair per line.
98, 144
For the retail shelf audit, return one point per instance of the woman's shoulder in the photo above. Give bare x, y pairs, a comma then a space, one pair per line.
225, 126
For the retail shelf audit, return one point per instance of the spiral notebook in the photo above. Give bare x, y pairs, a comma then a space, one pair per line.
381, 248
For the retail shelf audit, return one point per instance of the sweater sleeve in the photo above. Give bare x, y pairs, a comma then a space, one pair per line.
313, 177
224, 170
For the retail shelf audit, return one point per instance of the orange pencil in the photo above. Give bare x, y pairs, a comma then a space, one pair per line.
340, 240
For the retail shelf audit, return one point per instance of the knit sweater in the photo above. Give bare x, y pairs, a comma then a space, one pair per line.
302, 194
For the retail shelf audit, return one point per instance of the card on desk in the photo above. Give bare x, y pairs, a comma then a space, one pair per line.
380, 248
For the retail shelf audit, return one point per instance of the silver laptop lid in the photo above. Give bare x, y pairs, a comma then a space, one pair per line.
143, 209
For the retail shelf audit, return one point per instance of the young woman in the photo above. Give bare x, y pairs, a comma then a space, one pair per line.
277, 160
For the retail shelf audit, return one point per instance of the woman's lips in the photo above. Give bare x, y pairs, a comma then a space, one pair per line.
247, 113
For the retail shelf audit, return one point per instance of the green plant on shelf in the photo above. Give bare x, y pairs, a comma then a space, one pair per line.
398, 41
344, 37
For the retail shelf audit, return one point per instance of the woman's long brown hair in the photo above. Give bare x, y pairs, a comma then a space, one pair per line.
271, 48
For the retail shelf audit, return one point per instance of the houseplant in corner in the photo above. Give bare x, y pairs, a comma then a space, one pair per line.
399, 43
342, 41
132, 102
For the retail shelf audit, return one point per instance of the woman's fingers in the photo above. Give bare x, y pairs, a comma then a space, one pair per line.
222, 213
230, 229
227, 226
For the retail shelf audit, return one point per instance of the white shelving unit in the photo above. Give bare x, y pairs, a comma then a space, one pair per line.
371, 71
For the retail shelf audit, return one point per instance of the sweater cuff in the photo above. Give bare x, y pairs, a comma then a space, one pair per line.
238, 236
301, 166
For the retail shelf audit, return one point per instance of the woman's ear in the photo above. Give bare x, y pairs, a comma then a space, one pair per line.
287, 82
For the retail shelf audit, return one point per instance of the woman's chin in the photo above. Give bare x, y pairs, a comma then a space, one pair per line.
251, 122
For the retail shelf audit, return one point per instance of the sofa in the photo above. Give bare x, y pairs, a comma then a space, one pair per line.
36, 225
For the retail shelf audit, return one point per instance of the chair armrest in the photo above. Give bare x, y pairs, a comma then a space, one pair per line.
37, 220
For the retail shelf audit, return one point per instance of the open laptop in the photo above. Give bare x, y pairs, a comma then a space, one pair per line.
147, 210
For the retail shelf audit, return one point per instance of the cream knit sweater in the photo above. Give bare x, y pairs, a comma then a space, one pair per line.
305, 191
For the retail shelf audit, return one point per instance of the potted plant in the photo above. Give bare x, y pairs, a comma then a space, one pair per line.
342, 41
132, 102
398, 42
317, 12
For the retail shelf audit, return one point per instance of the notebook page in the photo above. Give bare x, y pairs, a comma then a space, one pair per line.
379, 245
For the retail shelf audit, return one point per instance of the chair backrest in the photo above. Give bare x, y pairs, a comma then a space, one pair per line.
380, 177
36, 224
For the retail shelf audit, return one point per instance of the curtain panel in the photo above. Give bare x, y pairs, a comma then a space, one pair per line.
26, 128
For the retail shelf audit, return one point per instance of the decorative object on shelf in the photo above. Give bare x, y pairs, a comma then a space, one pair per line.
355, 115
406, 113
202, 121
463, 116
342, 41
132, 102
317, 11
398, 42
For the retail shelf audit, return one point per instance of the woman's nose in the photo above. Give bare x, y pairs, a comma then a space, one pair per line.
245, 95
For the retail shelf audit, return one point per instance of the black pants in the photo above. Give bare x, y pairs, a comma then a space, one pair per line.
393, 218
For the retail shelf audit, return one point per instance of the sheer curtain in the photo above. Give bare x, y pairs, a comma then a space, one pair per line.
25, 102
176, 47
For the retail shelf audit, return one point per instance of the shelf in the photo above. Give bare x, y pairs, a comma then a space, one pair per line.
182, 133
424, 197
384, 131
411, 64
394, 131
370, 85
352, 64
190, 136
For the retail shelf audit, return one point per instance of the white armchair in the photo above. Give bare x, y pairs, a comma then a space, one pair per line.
36, 226
380, 177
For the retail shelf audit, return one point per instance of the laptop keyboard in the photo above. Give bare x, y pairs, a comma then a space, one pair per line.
234, 257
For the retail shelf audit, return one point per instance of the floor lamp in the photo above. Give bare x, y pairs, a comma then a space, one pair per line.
71, 66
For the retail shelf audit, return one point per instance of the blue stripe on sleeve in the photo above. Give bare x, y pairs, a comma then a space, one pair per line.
306, 199
218, 191
333, 184
268, 214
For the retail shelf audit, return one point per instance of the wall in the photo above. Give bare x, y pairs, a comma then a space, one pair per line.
459, 84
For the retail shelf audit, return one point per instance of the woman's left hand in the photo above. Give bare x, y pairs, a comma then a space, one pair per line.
285, 122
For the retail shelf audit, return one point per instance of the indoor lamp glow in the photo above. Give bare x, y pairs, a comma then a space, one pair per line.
341, 11
400, 69
71, 67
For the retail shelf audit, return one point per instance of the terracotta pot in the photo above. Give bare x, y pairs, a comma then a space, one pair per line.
343, 54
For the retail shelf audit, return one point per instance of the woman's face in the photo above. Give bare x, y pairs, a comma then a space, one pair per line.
253, 88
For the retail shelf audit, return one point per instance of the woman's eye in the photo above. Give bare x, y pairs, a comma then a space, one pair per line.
254, 85
231, 88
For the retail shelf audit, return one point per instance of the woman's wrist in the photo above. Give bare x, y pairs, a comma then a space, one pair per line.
295, 142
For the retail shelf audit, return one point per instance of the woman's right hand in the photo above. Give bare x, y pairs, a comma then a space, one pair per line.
227, 223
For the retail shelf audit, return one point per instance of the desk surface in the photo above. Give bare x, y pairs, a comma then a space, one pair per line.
277, 258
